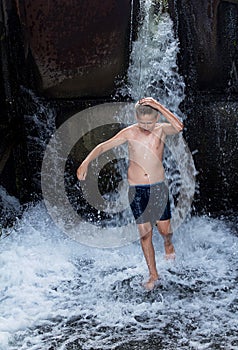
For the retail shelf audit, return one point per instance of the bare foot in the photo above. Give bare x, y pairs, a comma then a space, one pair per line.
170, 256
151, 283
169, 251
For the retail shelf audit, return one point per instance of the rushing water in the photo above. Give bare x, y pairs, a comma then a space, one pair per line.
59, 294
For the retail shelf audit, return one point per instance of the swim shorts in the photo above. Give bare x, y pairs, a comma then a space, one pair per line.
149, 203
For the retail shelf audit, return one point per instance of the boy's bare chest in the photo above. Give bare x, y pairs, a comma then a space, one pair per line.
146, 143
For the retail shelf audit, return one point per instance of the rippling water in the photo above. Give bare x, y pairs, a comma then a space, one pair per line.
58, 294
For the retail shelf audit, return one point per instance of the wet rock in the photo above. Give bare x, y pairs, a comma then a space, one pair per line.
212, 132
79, 48
208, 33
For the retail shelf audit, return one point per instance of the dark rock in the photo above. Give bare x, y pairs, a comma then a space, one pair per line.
208, 34
79, 48
212, 133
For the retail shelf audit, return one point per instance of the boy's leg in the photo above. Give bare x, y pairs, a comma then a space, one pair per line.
145, 231
164, 229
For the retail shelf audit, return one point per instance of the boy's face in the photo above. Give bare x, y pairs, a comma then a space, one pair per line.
147, 122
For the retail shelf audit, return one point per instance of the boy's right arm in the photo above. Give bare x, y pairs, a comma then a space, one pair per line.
116, 140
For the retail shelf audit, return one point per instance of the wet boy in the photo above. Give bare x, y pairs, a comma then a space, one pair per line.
148, 193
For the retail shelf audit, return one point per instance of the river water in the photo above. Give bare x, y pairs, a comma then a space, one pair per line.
56, 293
59, 294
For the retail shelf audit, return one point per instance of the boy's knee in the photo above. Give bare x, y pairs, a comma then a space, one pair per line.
145, 235
145, 231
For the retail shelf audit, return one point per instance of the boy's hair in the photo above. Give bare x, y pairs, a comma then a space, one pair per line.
144, 109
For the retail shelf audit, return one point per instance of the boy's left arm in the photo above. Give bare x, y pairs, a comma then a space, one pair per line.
174, 126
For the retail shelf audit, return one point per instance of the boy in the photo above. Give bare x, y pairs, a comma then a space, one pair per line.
148, 193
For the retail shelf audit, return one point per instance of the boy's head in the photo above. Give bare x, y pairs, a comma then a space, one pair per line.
146, 116
142, 110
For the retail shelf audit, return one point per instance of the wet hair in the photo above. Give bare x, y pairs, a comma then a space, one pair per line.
144, 109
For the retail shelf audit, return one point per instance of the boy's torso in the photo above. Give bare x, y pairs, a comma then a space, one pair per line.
146, 155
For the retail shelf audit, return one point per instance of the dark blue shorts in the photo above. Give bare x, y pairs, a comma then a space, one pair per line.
150, 203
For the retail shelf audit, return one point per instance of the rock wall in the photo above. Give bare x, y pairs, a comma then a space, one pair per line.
208, 34
79, 48
69, 50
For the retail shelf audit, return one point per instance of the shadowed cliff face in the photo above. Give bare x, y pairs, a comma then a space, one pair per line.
212, 133
79, 47
208, 33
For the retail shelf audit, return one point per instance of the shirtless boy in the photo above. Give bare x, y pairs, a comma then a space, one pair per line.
146, 175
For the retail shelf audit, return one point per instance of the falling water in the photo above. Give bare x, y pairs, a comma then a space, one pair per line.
59, 294
154, 72
40, 126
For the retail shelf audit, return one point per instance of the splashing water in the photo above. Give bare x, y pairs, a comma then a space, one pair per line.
58, 294
153, 70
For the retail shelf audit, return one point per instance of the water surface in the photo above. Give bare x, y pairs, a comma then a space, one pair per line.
59, 294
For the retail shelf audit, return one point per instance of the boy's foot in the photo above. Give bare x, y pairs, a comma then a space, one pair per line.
151, 283
170, 256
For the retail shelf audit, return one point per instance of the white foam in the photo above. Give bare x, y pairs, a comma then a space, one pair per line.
56, 289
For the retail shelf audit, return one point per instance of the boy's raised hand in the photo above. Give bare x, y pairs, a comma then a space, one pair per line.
149, 101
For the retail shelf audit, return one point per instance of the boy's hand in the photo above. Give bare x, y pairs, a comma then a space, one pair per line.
82, 171
149, 101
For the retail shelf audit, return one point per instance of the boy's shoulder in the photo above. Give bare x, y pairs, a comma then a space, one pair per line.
130, 128
161, 125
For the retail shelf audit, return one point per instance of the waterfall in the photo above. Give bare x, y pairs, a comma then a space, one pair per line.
153, 71
40, 125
